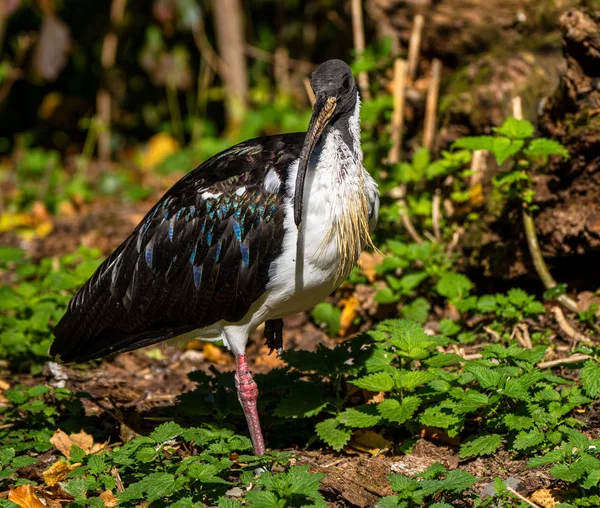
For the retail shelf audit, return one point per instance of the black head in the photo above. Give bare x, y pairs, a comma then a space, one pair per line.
335, 98
333, 78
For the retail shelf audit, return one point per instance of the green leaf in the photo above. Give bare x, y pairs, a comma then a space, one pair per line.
529, 439
409, 380
157, 486
554, 292
399, 411
402, 484
166, 432
418, 310
23, 461
486, 377
305, 483
487, 304
566, 473
327, 315
362, 417
386, 295
504, 148
454, 285
10, 254
590, 375
77, 454
437, 418
458, 480
482, 445
303, 401
378, 382
475, 143
6, 455
472, 401
545, 146
331, 434
499, 485
514, 422
449, 327
264, 499
515, 129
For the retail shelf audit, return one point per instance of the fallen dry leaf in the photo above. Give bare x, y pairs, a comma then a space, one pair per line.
215, 354
57, 472
25, 497
438, 436
351, 305
110, 501
4, 385
270, 360
159, 147
368, 262
369, 441
64, 442
544, 498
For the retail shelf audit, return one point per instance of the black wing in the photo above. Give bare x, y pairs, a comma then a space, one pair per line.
201, 255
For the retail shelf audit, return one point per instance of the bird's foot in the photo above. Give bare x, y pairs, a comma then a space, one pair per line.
274, 335
248, 395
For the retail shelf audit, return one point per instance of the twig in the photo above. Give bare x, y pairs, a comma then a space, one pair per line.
431, 104
300, 66
414, 46
567, 328
493, 333
103, 98
522, 498
398, 113
281, 68
538, 260
205, 48
408, 225
522, 334
358, 31
576, 358
309, 90
478, 167
435, 212
532, 240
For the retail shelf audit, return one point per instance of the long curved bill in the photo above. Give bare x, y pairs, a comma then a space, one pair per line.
322, 112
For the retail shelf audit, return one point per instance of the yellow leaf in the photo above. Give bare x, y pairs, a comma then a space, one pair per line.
369, 441
544, 498
63, 443
110, 501
476, 197
351, 305
215, 354
10, 221
160, 146
25, 497
49, 104
57, 472
368, 262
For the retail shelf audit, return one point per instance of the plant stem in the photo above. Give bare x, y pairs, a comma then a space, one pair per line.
532, 240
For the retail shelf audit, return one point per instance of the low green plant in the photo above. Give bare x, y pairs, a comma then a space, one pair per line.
435, 487
34, 299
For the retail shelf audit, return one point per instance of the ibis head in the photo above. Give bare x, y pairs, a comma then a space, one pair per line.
335, 98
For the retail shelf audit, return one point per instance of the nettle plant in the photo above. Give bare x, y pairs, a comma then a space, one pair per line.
419, 274
503, 399
37, 298
516, 151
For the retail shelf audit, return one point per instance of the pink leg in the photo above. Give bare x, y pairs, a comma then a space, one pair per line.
248, 395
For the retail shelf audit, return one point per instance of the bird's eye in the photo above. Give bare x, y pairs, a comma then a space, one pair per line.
346, 82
